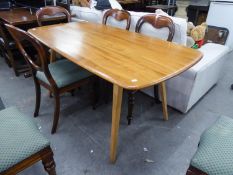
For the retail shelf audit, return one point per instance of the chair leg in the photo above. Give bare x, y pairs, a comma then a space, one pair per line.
50, 94
15, 69
131, 101
8, 62
38, 98
49, 164
164, 99
95, 89
5, 58
12, 62
56, 112
156, 96
72, 92
106, 89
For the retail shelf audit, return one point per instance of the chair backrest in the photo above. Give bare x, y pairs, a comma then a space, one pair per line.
51, 11
119, 15
38, 61
157, 22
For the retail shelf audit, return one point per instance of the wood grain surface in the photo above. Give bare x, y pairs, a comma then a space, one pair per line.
128, 59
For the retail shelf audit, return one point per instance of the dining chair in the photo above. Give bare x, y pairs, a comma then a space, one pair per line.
22, 144
214, 155
118, 15
157, 22
51, 11
58, 77
11, 54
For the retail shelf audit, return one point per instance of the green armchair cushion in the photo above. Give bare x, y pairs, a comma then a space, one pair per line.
64, 72
19, 138
215, 152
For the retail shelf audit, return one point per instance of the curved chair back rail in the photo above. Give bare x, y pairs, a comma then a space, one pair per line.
38, 62
118, 15
157, 22
51, 11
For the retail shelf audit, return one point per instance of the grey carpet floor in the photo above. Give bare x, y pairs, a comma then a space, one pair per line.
81, 145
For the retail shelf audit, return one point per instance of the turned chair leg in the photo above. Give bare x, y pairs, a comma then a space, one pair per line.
6, 59
95, 88
38, 98
56, 112
50, 94
8, 62
131, 101
12, 62
156, 96
72, 92
106, 90
15, 69
49, 164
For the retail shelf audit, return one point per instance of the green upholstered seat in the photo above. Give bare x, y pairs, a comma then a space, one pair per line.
19, 138
64, 73
215, 152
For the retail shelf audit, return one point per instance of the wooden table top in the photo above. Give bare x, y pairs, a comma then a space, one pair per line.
21, 16
17, 16
128, 59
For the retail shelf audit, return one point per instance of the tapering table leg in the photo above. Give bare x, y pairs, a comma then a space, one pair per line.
164, 99
116, 112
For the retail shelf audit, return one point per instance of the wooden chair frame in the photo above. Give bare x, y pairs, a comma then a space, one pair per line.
157, 22
51, 11
119, 15
45, 155
41, 64
194, 171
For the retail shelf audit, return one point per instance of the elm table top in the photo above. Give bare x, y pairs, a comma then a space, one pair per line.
131, 60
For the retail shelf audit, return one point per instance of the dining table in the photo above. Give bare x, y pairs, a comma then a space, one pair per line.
126, 59
23, 16
18, 16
